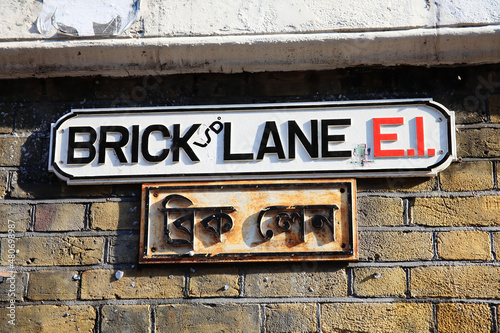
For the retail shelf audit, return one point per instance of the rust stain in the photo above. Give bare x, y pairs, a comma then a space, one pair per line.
233, 221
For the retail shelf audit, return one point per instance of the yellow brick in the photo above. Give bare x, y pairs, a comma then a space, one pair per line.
467, 176
50, 319
12, 287
496, 244
16, 215
59, 217
395, 245
379, 282
456, 281
376, 317
474, 211
463, 317
291, 318
478, 142
186, 318
497, 166
52, 285
494, 107
56, 251
16, 150
395, 184
379, 211
296, 280
126, 318
467, 117
143, 283
214, 282
36, 184
123, 249
7, 114
4, 176
464, 245
115, 215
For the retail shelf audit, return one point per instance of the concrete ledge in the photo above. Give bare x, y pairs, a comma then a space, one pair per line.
250, 53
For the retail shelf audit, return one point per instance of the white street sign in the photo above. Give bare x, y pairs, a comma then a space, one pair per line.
257, 141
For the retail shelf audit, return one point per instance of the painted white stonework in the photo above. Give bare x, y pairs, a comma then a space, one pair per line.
467, 12
181, 36
234, 17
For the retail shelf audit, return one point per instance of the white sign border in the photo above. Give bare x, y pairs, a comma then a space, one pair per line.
420, 172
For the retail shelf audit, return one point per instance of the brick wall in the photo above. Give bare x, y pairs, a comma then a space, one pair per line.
428, 260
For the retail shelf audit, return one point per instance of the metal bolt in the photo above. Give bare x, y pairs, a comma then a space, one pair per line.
226, 287
377, 275
265, 279
311, 289
76, 277
441, 152
153, 249
155, 194
170, 277
440, 120
191, 253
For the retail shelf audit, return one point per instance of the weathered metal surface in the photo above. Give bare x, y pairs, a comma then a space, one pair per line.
249, 221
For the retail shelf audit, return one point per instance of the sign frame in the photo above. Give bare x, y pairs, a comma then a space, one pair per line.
55, 165
348, 222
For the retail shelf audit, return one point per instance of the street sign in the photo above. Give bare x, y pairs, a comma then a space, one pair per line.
275, 220
257, 141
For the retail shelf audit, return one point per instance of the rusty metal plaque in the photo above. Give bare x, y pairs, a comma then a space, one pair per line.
229, 221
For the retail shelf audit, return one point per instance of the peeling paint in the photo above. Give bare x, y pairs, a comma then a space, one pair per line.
89, 18
229, 221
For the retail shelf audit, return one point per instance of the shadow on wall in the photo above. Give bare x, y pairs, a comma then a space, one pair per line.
33, 179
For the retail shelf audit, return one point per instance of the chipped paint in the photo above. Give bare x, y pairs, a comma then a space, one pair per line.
89, 18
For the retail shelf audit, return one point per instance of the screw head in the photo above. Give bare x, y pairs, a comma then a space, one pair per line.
118, 275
